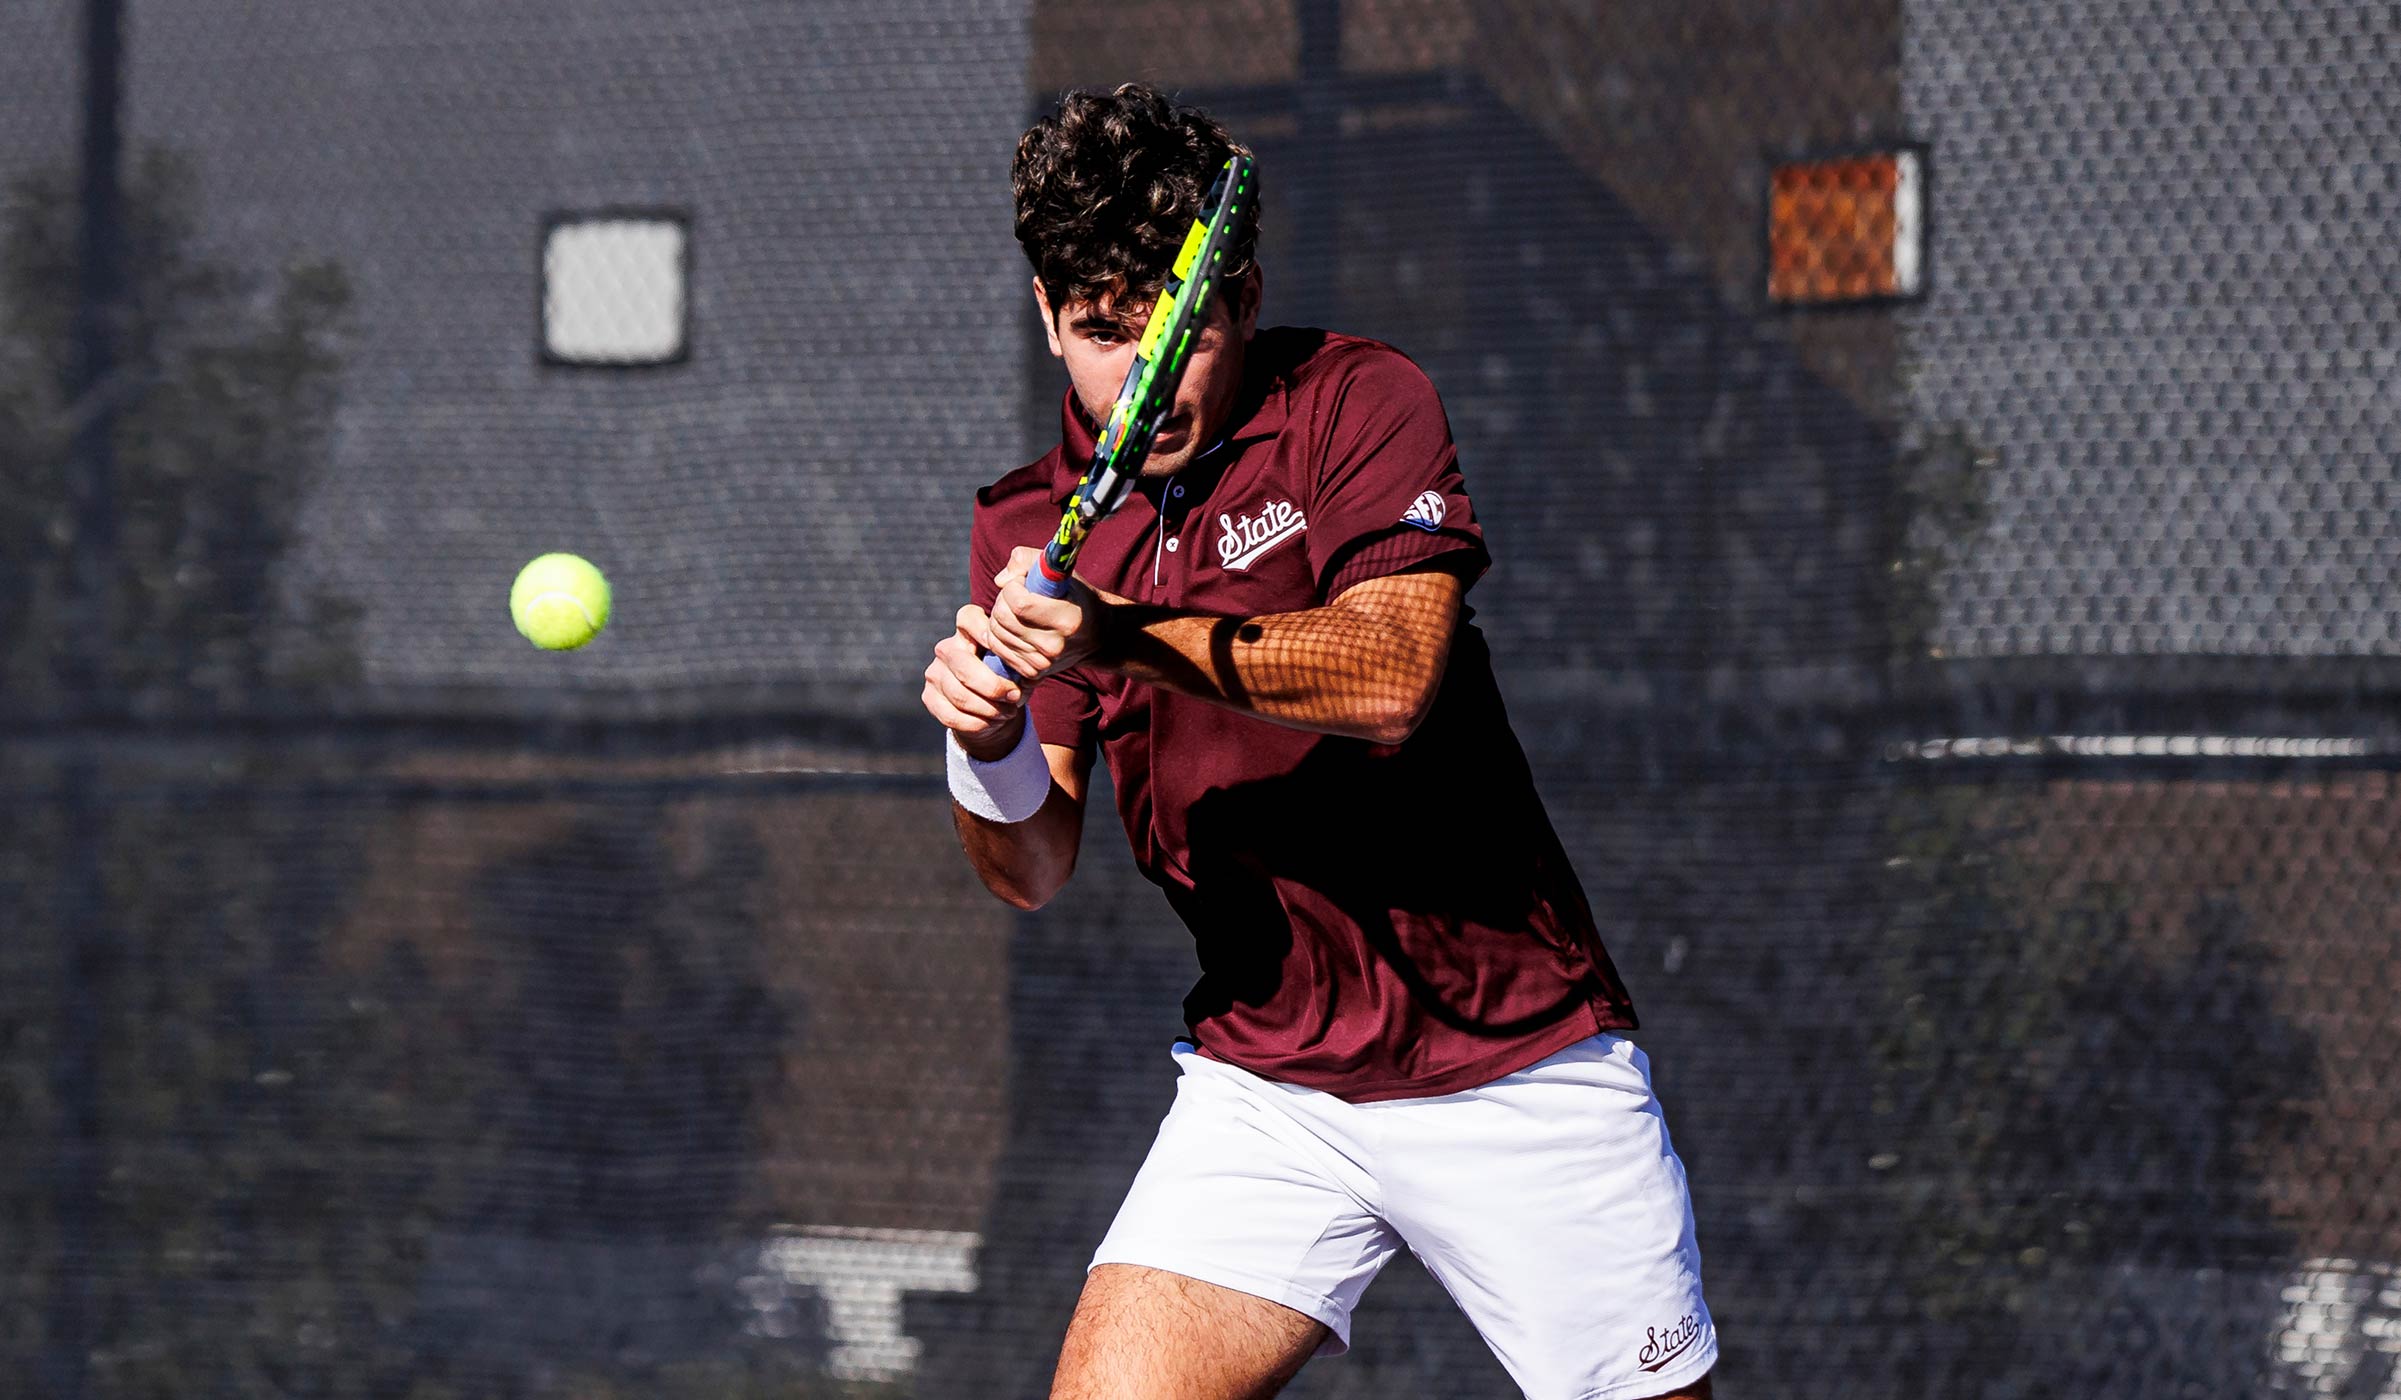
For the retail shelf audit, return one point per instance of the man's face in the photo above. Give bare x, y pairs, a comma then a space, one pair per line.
1096, 339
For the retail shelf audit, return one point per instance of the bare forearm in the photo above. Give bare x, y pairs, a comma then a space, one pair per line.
1357, 672
1026, 862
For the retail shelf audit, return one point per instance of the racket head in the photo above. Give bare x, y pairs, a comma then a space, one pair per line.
1160, 355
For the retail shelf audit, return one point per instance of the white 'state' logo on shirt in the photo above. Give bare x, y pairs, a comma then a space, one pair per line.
1246, 538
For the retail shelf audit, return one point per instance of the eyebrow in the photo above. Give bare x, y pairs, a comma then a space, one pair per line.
1095, 320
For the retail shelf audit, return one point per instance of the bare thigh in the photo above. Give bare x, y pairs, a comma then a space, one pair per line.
1147, 1334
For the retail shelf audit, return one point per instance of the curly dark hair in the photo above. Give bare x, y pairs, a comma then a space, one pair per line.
1108, 184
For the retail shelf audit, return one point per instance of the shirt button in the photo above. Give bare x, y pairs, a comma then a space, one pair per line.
1177, 491
1171, 546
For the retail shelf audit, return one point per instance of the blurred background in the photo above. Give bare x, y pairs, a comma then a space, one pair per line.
1939, 461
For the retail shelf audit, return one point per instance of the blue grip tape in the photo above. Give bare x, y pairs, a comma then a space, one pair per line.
1035, 582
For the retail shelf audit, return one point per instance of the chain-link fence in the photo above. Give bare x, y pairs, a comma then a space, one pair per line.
1969, 708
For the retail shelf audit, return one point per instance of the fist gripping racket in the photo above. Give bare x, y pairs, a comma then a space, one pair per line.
1150, 383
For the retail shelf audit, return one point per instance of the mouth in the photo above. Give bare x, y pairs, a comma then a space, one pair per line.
1173, 431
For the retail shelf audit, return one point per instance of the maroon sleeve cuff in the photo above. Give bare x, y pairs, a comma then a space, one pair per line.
1402, 549
1065, 710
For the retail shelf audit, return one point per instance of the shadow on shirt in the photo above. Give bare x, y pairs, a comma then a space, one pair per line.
1426, 869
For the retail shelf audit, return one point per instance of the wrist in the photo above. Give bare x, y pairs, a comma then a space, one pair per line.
996, 743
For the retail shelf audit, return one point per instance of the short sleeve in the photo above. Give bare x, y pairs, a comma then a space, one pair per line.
1388, 495
1064, 706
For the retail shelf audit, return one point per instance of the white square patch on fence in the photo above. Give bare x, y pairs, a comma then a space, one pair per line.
613, 290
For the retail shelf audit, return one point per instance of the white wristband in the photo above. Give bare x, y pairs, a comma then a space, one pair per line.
1008, 789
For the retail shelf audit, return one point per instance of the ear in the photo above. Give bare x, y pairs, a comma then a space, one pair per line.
1050, 319
1247, 297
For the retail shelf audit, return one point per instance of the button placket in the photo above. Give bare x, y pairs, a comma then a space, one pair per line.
1172, 517
1158, 547
1170, 523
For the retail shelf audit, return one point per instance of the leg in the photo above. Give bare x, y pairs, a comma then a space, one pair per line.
1147, 1334
1242, 1247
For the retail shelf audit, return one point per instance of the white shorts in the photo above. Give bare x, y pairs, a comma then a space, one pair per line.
1549, 1202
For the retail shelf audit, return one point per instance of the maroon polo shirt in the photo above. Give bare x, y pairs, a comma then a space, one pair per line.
1376, 921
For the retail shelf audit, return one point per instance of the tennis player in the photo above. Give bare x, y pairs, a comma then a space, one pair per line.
1406, 1031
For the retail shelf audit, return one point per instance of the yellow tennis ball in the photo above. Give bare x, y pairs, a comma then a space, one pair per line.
560, 602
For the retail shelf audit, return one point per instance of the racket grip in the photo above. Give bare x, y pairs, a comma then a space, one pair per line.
1042, 580
1046, 581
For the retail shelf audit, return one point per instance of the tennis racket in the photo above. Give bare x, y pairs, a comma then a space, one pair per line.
1150, 382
